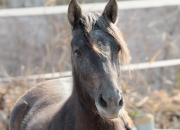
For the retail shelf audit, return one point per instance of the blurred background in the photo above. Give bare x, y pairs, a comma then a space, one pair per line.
40, 44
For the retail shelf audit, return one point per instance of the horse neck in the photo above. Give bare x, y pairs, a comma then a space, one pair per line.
86, 112
84, 101
95, 122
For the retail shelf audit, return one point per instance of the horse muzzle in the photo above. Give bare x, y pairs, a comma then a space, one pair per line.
109, 104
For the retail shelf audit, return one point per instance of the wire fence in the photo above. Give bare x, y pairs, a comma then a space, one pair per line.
131, 67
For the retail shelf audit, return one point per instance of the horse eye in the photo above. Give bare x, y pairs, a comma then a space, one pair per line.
77, 52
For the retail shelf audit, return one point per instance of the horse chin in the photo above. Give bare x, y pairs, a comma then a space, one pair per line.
108, 118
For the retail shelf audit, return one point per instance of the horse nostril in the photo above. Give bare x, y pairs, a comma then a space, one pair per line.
121, 102
102, 102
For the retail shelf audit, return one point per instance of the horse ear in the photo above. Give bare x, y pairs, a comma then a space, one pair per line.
74, 12
111, 11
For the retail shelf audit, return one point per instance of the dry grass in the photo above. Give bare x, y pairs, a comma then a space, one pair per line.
164, 105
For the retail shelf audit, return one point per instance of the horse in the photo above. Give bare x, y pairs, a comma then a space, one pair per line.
93, 101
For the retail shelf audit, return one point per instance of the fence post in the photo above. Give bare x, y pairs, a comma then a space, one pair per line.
145, 122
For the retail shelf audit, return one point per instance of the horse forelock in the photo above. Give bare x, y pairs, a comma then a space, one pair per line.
93, 21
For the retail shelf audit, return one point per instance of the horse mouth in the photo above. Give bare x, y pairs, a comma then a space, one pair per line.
109, 118
108, 113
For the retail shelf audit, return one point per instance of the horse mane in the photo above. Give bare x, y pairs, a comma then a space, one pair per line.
127, 120
92, 21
